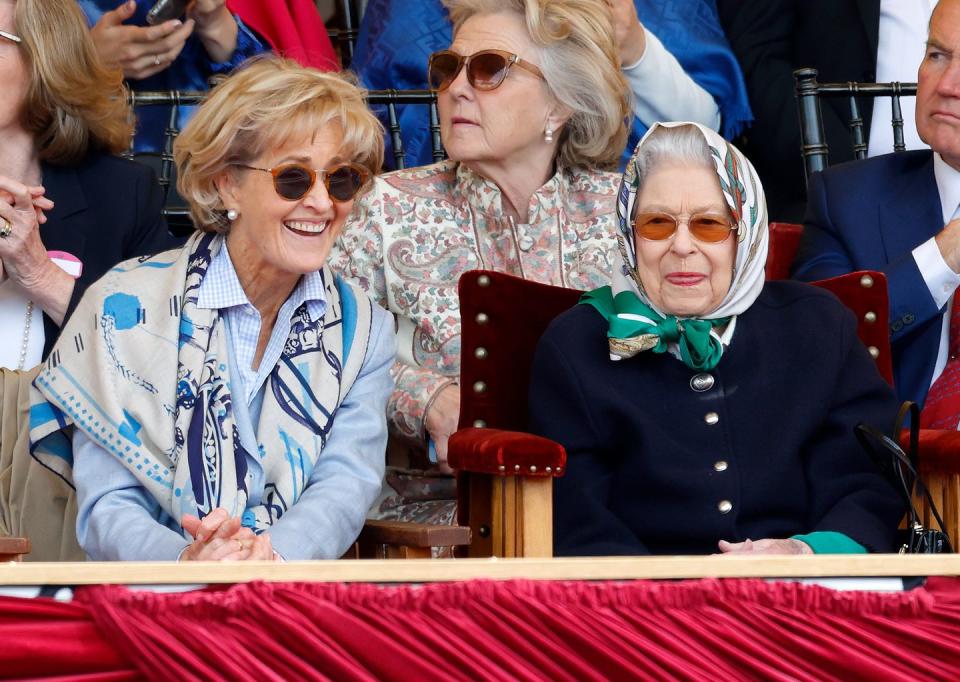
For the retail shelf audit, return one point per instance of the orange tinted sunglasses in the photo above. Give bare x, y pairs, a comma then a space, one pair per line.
704, 227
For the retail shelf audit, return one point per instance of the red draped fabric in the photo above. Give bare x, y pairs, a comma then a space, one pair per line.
293, 28
480, 630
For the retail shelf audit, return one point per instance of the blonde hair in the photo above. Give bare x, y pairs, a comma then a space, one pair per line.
267, 103
74, 103
581, 65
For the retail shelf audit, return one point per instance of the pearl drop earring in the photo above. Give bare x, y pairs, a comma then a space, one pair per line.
233, 214
548, 135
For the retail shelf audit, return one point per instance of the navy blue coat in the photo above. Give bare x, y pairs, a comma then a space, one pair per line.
870, 215
107, 210
648, 474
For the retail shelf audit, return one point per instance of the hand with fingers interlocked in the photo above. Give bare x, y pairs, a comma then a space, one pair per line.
23, 257
221, 537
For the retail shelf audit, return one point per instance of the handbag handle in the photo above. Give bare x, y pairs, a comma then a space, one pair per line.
902, 461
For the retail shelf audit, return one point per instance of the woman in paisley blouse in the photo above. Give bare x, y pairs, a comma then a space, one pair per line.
533, 109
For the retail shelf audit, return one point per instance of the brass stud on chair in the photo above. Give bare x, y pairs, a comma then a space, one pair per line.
548, 469
516, 467
533, 468
866, 281
479, 424
870, 317
482, 318
502, 468
479, 386
480, 353
874, 352
483, 280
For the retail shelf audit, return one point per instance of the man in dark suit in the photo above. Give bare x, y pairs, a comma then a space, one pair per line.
842, 40
898, 213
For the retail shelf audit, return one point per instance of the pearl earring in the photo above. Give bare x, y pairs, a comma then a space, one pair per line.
233, 214
548, 135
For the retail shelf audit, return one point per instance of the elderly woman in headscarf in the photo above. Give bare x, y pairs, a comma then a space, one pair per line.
703, 409
226, 400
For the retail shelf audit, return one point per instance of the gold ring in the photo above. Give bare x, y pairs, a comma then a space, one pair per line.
5, 229
240, 542
156, 59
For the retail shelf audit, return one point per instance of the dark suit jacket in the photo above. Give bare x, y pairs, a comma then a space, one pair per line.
644, 472
106, 210
771, 38
870, 215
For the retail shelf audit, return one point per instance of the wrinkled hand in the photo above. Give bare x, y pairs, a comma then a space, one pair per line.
766, 546
631, 40
23, 256
220, 537
441, 422
140, 51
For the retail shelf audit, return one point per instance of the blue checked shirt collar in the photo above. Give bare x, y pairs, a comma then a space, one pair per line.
221, 290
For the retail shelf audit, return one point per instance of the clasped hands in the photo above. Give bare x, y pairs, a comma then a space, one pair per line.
22, 254
765, 546
221, 537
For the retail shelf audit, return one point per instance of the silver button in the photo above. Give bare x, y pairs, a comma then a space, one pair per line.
702, 382
725, 506
526, 242
720, 466
711, 418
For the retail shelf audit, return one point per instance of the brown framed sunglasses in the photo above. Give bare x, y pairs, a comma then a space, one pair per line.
709, 228
292, 181
486, 69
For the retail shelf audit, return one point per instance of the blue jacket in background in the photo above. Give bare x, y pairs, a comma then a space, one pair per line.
871, 215
189, 72
396, 39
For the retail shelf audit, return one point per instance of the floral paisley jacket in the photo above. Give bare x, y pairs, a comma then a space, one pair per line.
413, 235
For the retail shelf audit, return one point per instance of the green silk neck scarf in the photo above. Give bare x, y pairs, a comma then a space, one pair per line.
698, 348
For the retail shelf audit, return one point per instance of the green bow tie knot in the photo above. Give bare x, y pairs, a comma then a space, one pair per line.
699, 349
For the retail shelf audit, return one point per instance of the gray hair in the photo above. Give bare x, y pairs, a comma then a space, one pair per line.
581, 66
683, 144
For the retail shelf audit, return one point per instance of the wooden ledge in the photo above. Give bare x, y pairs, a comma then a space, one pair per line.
447, 570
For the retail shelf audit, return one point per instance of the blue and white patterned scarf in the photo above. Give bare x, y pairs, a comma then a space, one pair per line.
144, 372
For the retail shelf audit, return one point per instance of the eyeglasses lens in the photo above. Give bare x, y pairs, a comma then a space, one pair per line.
487, 70
293, 182
444, 67
344, 182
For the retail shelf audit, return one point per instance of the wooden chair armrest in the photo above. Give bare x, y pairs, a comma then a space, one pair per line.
407, 534
13, 548
505, 453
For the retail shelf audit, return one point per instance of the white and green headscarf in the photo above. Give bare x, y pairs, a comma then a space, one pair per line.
636, 324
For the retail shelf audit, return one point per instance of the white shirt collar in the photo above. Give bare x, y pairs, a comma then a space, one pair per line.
948, 185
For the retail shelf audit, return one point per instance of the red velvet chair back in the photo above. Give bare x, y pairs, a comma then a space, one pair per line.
502, 319
784, 242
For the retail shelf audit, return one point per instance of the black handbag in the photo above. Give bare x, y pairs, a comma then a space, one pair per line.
901, 468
